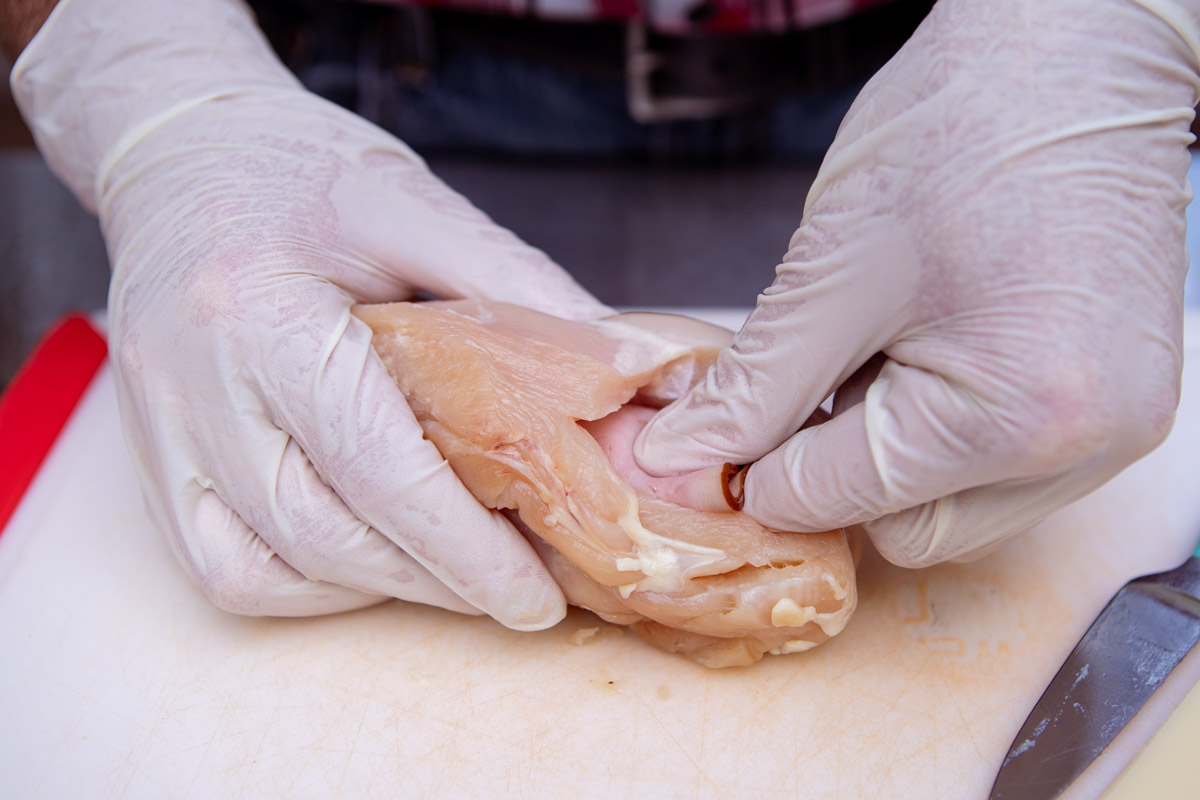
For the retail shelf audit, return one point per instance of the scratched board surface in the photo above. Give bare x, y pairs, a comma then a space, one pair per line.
118, 677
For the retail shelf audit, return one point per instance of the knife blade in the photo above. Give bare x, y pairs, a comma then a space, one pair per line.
1140, 636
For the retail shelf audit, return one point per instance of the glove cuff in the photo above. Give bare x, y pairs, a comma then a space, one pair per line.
100, 74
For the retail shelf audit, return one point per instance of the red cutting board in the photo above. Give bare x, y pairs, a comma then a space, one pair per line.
118, 678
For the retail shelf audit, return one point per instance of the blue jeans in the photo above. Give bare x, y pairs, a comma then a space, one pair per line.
477, 100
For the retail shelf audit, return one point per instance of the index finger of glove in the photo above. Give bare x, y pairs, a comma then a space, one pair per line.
914, 439
934, 472
356, 428
827, 312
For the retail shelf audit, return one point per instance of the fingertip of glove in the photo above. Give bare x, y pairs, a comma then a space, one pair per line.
529, 599
586, 307
913, 538
648, 449
662, 451
538, 615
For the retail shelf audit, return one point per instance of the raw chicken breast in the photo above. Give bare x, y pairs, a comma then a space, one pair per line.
538, 415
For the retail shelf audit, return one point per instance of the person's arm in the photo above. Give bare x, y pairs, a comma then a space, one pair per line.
19, 21
244, 216
989, 274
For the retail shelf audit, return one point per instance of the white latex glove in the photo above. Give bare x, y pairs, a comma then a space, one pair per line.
1001, 217
243, 217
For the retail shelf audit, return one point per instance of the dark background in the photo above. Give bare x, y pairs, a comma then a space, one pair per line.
636, 229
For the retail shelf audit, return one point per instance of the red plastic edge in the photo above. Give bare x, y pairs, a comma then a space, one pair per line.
37, 404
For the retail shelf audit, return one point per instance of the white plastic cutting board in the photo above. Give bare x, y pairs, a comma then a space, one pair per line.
118, 679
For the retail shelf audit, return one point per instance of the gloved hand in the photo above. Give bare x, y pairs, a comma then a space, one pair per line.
243, 217
1001, 219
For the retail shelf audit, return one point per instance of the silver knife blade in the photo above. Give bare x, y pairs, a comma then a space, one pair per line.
1139, 637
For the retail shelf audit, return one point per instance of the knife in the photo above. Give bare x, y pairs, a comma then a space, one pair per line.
1139, 637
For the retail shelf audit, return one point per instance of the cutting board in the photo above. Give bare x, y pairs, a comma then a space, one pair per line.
118, 678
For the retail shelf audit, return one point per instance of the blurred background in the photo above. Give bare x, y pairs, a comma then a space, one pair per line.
661, 153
